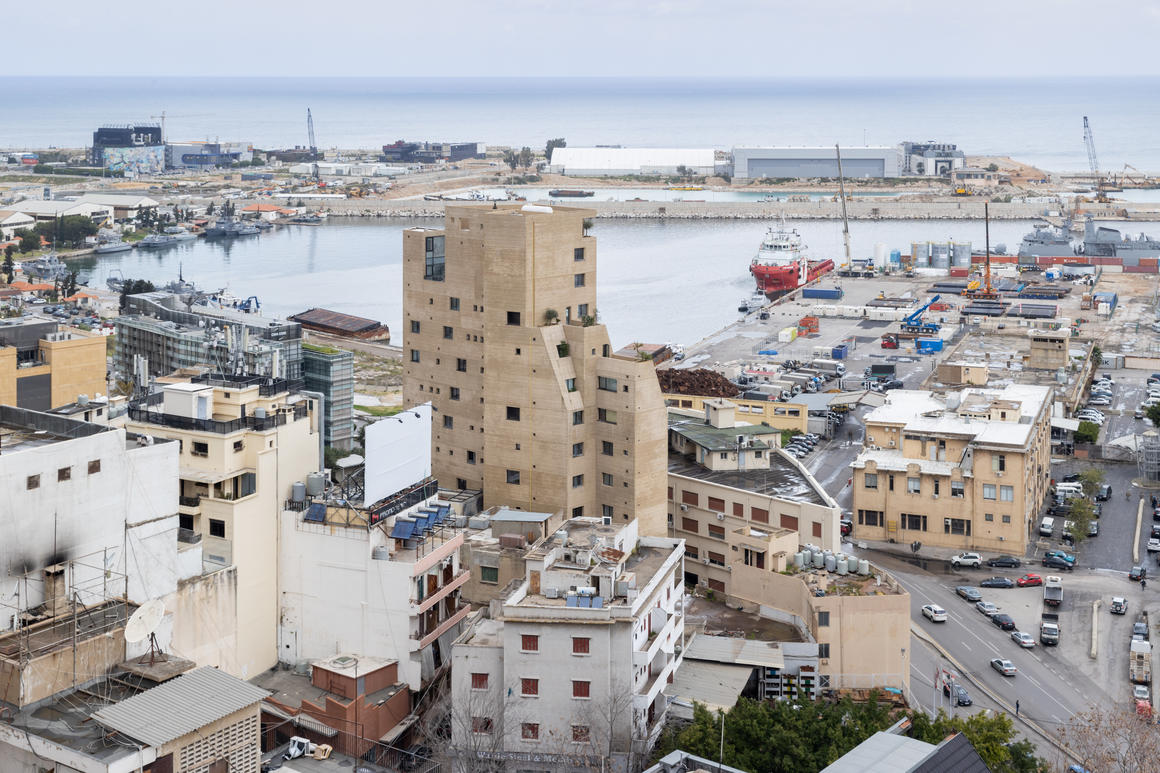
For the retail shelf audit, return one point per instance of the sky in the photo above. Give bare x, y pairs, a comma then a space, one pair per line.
712, 38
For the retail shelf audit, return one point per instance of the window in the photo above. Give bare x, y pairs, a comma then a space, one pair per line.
724, 455
823, 619
247, 484
217, 528
185, 522
479, 681
481, 725
414, 355
582, 311
448, 422
513, 413
461, 364
239, 445
716, 532
936, 488
738, 509
577, 481
580, 689
755, 558
513, 476
998, 462
1006, 493
414, 326
606, 383
581, 645
988, 516
890, 482
570, 384
578, 253
471, 457
716, 558
690, 498
434, 259
913, 522
689, 524
529, 687
578, 512
489, 574
577, 417
33, 481
870, 480
1006, 519
529, 731
789, 522
453, 304
959, 526
513, 318
988, 491
94, 466
578, 280
580, 734
690, 551
64, 473
913, 485
871, 518
716, 505
817, 530
454, 393
606, 416
529, 643
759, 514
957, 488
577, 449
823, 650
606, 448
199, 449
606, 511
606, 478
448, 332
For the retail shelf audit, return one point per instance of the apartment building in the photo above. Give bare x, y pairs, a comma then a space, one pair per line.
330, 372
244, 442
733, 494
964, 469
792, 416
530, 404
44, 367
574, 660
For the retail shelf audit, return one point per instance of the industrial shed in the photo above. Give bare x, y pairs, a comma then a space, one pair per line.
616, 162
339, 324
785, 162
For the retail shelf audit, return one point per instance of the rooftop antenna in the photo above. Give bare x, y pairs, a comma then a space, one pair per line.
143, 623
842, 193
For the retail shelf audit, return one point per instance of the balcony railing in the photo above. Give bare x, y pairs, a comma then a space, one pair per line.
189, 501
256, 423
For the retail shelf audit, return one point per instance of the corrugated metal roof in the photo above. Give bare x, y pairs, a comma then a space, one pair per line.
714, 684
336, 319
520, 516
729, 649
180, 706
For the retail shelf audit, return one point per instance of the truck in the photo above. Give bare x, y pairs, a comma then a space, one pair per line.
1140, 662
828, 365
881, 371
1053, 591
1049, 629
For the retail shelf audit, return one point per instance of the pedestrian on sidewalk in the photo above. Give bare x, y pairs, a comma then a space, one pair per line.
1016, 708
1143, 583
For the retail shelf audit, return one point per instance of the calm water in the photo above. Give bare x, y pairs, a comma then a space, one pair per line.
657, 280
1036, 120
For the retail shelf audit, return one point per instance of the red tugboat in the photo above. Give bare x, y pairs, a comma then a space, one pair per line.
780, 266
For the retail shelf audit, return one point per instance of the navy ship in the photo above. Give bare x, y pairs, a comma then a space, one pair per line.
1046, 241
1102, 242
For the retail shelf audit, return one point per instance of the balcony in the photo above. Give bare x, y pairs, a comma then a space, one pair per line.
189, 505
141, 413
655, 641
442, 593
443, 628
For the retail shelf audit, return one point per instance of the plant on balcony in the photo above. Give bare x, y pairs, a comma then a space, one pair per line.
562, 349
551, 316
588, 223
588, 320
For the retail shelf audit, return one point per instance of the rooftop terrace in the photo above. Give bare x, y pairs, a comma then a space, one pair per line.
783, 479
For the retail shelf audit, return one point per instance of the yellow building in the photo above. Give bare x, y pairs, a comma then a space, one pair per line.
792, 416
963, 470
244, 443
43, 367
530, 404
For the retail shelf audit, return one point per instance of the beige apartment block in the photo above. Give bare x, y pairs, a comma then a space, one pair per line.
244, 443
530, 405
792, 416
965, 470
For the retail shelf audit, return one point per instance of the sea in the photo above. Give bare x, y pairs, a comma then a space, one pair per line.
658, 281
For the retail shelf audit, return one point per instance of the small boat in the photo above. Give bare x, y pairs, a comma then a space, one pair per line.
753, 303
106, 247
570, 193
179, 233
157, 240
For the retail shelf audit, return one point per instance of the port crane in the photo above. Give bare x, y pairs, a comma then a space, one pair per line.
845, 222
1103, 185
914, 323
986, 292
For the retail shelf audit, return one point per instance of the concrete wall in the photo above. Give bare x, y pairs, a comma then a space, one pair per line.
205, 620
45, 676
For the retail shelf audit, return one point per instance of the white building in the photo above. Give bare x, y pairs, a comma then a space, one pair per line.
616, 162
125, 206
51, 210
796, 162
12, 221
382, 579
575, 659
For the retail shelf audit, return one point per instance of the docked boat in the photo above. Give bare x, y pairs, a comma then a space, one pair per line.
1046, 241
49, 267
105, 248
570, 193
781, 266
229, 228
753, 303
179, 233
1101, 242
157, 240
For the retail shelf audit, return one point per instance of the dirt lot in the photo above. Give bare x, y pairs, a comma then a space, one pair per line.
719, 619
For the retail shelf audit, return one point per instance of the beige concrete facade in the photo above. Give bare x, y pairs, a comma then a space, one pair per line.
242, 449
73, 362
792, 416
967, 470
529, 403
1049, 349
973, 373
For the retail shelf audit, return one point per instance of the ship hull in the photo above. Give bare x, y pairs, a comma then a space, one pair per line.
777, 280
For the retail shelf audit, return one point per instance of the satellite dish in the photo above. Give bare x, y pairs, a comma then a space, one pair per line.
144, 621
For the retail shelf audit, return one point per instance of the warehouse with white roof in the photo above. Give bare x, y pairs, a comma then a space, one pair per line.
618, 162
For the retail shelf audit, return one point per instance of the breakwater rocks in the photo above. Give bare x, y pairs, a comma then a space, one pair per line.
858, 209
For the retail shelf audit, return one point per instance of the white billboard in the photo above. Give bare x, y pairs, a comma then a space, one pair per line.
398, 452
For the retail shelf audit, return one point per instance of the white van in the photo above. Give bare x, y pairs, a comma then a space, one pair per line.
1047, 527
1069, 489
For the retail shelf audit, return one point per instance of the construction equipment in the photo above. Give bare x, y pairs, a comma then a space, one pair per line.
845, 222
890, 341
314, 145
1103, 185
987, 292
914, 323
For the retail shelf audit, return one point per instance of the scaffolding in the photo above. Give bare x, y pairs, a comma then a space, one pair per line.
1148, 457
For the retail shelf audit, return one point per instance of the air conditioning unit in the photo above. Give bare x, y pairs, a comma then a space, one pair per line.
551, 593
684, 508
720, 516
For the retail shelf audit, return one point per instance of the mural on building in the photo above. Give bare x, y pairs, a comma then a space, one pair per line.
140, 160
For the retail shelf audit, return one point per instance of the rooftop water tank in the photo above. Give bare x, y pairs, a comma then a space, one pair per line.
315, 484
864, 567
831, 562
381, 553
298, 492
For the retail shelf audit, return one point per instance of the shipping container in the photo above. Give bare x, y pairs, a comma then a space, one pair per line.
929, 345
828, 293
839, 352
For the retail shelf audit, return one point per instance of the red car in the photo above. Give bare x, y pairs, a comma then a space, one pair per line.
1029, 579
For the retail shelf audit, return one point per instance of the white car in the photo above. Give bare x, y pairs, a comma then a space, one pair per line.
1154, 544
967, 559
934, 613
1141, 692
1099, 401
1092, 417
1024, 640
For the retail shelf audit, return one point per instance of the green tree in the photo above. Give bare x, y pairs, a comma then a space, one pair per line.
133, 287
1081, 516
511, 158
558, 142
29, 240
9, 268
1091, 480
526, 157
1153, 414
992, 735
992, 167
1088, 432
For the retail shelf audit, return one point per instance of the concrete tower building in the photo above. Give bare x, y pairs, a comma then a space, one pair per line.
530, 404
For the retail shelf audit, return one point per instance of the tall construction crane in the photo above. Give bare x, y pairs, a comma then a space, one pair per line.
1090, 144
842, 193
987, 292
314, 145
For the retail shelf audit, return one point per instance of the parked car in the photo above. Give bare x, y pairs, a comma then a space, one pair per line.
1068, 557
1004, 621
1071, 477
1093, 528
958, 693
1140, 630
1141, 692
1138, 573
1119, 605
892, 384
1010, 562
969, 593
1099, 401
1104, 494
1028, 580
1024, 640
997, 582
1051, 562
1003, 666
934, 613
847, 527
967, 559
1155, 530
987, 608
1153, 545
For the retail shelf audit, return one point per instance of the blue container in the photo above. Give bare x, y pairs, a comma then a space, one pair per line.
896, 256
929, 345
825, 293
838, 352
